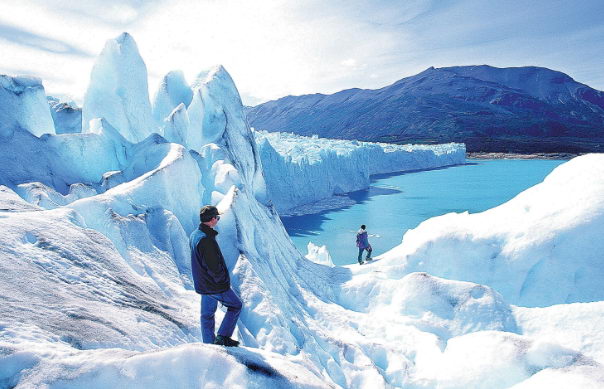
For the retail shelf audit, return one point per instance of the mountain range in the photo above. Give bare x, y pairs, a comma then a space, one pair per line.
518, 109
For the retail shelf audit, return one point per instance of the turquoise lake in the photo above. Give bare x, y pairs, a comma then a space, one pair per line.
398, 202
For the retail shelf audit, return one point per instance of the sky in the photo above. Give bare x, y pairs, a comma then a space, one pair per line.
276, 48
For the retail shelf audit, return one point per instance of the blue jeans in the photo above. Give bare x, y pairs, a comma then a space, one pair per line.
209, 303
361, 253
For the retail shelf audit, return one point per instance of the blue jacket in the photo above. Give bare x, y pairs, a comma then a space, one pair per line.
362, 240
210, 273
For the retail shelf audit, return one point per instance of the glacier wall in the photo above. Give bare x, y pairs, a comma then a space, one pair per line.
301, 170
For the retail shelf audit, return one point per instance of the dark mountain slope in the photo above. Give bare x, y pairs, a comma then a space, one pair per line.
527, 109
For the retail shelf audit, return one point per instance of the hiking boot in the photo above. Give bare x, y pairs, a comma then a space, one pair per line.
360, 263
368, 259
225, 341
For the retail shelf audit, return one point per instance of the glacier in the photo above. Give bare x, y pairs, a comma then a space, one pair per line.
94, 262
118, 90
66, 116
172, 92
22, 107
302, 170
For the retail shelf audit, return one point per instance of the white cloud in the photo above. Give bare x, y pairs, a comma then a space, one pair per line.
350, 62
272, 48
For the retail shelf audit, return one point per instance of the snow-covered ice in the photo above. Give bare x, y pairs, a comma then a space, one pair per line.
548, 235
94, 261
183, 366
319, 254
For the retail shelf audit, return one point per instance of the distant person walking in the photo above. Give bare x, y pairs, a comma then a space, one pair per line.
363, 244
212, 281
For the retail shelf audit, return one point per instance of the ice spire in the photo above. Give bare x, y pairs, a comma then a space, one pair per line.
23, 105
196, 113
216, 114
118, 90
172, 91
176, 125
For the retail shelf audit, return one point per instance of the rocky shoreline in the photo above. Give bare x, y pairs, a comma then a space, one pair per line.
484, 155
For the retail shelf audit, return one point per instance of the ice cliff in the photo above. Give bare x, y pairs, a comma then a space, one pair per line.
94, 265
300, 170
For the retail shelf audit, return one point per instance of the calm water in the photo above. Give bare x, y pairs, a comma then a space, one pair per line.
395, 203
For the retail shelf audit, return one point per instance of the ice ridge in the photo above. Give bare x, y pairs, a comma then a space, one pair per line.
300, 170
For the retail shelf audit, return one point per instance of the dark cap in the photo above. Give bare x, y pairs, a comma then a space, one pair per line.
207, 212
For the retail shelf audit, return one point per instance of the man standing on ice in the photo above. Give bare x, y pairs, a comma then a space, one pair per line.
212, 281
363, 244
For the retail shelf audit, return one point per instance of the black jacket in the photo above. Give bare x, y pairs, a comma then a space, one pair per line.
210, 273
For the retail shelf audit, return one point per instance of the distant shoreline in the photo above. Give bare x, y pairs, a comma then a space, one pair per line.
484, 155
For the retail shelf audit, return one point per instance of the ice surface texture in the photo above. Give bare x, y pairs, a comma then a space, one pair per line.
94, 262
